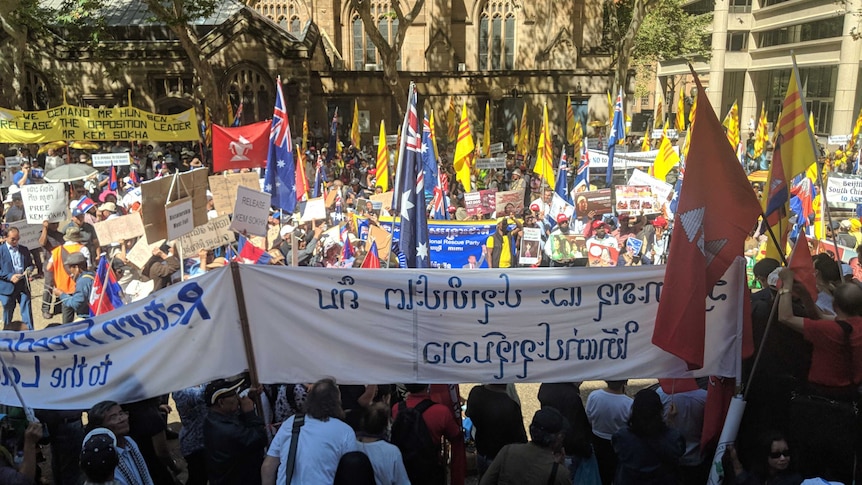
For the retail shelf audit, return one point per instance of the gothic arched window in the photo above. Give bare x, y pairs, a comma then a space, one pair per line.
497, 36
365, 53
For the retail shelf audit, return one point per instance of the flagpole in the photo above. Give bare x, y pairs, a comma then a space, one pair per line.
762, 345
775, 239
243, 321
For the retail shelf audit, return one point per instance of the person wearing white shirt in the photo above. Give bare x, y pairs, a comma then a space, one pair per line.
608, 410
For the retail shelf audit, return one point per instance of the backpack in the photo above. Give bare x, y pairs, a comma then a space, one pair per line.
420, 455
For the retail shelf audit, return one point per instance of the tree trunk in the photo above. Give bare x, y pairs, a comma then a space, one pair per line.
13, 65
212, 95
627, 42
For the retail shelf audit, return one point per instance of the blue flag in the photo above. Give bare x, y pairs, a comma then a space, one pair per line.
562, 188
618, 132
429, 160
414, 224
237, 117
333, 137
280, 176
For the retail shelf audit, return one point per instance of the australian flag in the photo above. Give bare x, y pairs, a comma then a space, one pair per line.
429, 159
562, 179
583, 176
333, 137
618, 132
414, 225
280, 176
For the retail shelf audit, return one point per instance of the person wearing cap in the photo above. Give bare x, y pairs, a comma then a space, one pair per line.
56, 273
15, 211
98, 457
15, 259
108, 210
131, 467
77, 302
234, 436
502, 245
656, 237
518, 182
601, 236
323, 439
87, 231
538, 462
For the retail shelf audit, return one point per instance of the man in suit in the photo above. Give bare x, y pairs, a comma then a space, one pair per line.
14, 287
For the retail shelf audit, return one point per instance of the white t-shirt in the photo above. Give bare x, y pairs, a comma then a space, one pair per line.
387, 463
321, 445
607, 241
608, 412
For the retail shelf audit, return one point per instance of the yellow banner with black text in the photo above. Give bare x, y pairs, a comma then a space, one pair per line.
74, 123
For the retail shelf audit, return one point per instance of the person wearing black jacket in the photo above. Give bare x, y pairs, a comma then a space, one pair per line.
234, 436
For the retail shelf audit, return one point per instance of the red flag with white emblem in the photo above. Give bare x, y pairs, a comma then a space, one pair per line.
717, 210
240, 147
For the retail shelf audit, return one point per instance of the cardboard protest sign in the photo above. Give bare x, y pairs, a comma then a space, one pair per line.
28, 234
662, 192
45, 202
208, 236
598, 201
481, 203
273, 232
529, 253
602, 256
142, 251
180, 220
223, 188
385, 201
635, 199
312, 210
155, 195
251, 212
514, 197
119, 228
382, 238
634, 245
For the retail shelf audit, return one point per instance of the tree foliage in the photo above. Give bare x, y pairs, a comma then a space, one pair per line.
389, 53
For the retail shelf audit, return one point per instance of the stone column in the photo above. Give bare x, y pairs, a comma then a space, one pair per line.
716, 63
843, 116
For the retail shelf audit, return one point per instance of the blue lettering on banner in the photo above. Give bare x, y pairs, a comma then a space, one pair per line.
156, 317
451, 243
496, 348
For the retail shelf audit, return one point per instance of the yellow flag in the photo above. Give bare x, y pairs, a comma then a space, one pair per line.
305, 132
577, 138
610, 109
690, 125
516, 137
645, 144
524, 133
856, 129
354, 128
680, 110
230, 114
450, 122
208, 127
731, 122
667, 157
382, 166
761, 135
486, 133
570, 121
659, 109
464, 149
544, 166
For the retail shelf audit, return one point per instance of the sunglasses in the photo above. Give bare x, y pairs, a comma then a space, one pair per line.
779, 454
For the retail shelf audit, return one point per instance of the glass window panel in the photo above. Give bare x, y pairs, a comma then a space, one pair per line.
510, 43
358, 48
496, 42
483, 44
370, 51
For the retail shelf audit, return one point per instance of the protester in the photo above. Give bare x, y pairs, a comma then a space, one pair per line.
537, 462
78, 302
131, 468
608, 410
161, 266
497, 420
323, 440
99, 458
565, 397
771, 467
192, 408
15, 265
648, 451
234, 436
385, 457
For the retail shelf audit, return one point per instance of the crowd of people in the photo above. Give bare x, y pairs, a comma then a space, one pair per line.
234, 432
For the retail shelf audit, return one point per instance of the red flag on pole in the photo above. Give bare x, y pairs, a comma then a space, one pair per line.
372, 260
802, 265
717, 209
241, 147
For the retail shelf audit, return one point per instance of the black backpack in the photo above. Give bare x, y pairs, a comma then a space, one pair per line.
411, 435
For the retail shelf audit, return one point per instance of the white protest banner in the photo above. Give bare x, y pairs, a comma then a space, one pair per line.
13, 161
486, 163
108, 159
842, 190
211, 235
570, 324
28, 234
119, 228
179, 217
251, 211
622, 160
45, 202
838, 139
312, 210
496, 147
660, 189
184, 335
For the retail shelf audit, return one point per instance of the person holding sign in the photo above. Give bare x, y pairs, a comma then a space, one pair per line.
79, 301
14, 287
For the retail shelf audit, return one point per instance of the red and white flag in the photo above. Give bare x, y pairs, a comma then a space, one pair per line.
717, 210
240, 147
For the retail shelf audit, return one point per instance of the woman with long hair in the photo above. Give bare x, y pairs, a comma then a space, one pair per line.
648, 451
773, 466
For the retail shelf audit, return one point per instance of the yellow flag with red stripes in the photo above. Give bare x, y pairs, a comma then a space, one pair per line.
382, 165
464, 151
